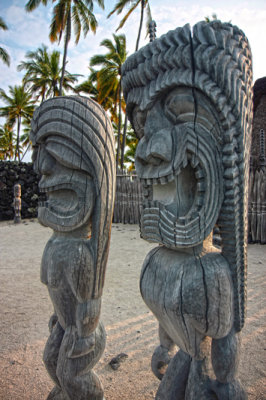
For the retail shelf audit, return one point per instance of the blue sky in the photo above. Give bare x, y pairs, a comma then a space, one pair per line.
27, 31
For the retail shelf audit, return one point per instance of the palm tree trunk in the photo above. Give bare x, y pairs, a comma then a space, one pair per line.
25, 151
141, 23
123, 143
67, 38
17, 145
136, 49
119, 126
43, 95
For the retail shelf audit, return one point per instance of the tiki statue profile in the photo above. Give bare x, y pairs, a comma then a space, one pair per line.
74, 154
189, 99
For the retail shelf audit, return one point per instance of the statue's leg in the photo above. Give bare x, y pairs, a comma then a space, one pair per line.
51, 351
173, 385
174, 379
199, 385
162, 354
225, 360
78, 381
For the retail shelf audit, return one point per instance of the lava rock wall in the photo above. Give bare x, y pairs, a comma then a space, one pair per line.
12, 172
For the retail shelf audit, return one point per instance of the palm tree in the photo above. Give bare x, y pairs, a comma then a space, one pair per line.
90, 87
3, 53
66, 12
118, 8
121, 4
43, 73
131, 142
19, 107
25, 137
109, 76
7, 142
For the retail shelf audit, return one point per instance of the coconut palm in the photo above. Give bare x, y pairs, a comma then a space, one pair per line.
43, 73
19, 106
109, 75
118, 8
65, 13
7, 142
3, 53
90, 87
132, 4
131, 143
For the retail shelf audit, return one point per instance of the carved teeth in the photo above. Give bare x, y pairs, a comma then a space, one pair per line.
182, 220
199, 201
163, 180
146, 192
199, 173
201, 186
194, 161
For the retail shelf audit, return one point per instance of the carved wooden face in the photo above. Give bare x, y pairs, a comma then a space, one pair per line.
179, 162
69, 192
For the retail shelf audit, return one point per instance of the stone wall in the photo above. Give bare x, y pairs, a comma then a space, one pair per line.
22, 173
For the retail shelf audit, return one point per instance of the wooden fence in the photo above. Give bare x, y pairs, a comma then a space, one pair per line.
128, 200
129, 197
257, 206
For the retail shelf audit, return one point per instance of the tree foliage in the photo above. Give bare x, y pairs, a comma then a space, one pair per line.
109, 75
3, 53
66, 13
43, 73
19, 106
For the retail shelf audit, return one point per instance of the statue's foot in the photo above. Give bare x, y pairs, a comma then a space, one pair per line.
173, 385
56, 394
229, 391
199, 384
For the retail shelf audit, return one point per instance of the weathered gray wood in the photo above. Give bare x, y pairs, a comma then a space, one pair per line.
73, 146
189, 99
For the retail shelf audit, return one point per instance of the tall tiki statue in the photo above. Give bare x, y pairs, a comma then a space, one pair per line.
189, 99
74, 154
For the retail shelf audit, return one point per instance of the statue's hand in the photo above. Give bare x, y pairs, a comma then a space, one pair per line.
160, 361
82, 346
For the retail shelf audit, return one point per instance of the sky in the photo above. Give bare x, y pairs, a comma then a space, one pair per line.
27, 31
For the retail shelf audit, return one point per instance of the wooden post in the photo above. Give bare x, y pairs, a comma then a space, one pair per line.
17, 203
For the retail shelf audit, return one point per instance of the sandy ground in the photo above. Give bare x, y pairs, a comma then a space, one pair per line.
25, 308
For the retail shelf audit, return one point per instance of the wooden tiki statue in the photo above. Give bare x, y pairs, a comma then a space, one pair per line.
74, 154
189, 98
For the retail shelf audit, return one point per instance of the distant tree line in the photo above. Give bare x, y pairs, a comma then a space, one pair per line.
45, 75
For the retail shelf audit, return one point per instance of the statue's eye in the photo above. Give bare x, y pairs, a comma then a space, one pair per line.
179, 105
170, 107
138, 120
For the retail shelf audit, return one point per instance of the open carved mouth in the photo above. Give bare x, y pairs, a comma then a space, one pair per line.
62, 200
180, 193
174, 205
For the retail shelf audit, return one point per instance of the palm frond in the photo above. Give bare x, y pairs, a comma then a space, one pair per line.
32, 4
4, 56
3, 24
119, 6
130, 11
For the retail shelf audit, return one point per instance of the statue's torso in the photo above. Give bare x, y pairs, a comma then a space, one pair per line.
190, 295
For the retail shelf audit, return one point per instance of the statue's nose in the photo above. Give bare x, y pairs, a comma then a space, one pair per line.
157, 148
